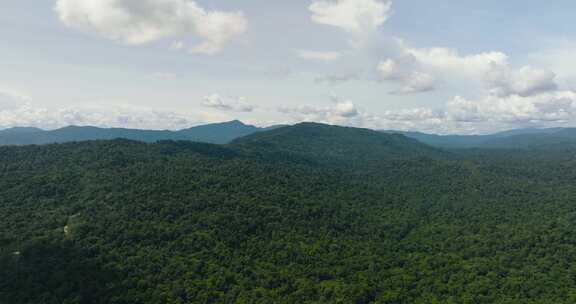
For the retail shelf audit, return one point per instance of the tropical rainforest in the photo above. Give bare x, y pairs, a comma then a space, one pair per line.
308, 213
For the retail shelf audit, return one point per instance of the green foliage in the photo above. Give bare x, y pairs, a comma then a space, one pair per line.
289, 216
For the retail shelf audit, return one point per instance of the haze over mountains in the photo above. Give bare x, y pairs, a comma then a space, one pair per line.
218, 133
519, 138
222, 133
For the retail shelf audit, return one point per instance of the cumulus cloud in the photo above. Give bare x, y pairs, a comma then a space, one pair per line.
413, 69
144, 21
391, 70
416, 82
558, 106
525, 81
345, 108
345, 112
353, 16
484, 115
340, 112
459, 116
318, 56
419, 69
231, 104
405, 71
416, 114
446, 60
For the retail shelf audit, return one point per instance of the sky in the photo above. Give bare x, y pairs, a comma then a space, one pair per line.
447, 66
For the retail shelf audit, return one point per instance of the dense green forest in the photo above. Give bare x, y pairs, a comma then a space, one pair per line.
302, 214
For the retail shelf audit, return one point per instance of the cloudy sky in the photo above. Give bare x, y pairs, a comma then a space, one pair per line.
446, 66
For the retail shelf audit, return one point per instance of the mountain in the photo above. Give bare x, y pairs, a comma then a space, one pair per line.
223, 133
547, 139
260, 221
446, 141
220, 133
213, 133
520, 138
335, 144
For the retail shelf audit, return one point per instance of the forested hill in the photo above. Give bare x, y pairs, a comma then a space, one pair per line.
123, 221
335, 145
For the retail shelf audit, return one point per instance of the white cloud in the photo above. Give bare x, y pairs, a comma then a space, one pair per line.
318, 56
345, 108
525, 81
416, 82
488, 114
419, 69
405, 71
124, 116
413, 69
219, 102
340, 112
460, 115
390, 70
558, 106
446, 60
144, 21
353, 16
416, 114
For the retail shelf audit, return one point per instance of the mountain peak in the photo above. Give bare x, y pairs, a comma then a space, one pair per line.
236, 122
231, 123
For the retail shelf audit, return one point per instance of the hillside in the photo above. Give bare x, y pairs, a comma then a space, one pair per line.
335, 144
276, 217
219, 133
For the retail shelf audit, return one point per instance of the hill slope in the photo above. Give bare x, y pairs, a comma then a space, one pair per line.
334, 144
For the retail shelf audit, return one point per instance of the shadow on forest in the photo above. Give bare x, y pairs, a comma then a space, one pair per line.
56, 273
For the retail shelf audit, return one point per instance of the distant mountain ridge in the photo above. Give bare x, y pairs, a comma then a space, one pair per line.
519, 138
227, 132
218, 133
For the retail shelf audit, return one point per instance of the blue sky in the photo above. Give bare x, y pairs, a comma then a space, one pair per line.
436, 66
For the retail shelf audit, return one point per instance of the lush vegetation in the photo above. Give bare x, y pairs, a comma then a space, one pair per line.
305, 214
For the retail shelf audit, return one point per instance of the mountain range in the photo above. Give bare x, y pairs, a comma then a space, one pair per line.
218, 133
519, 138
222, 133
